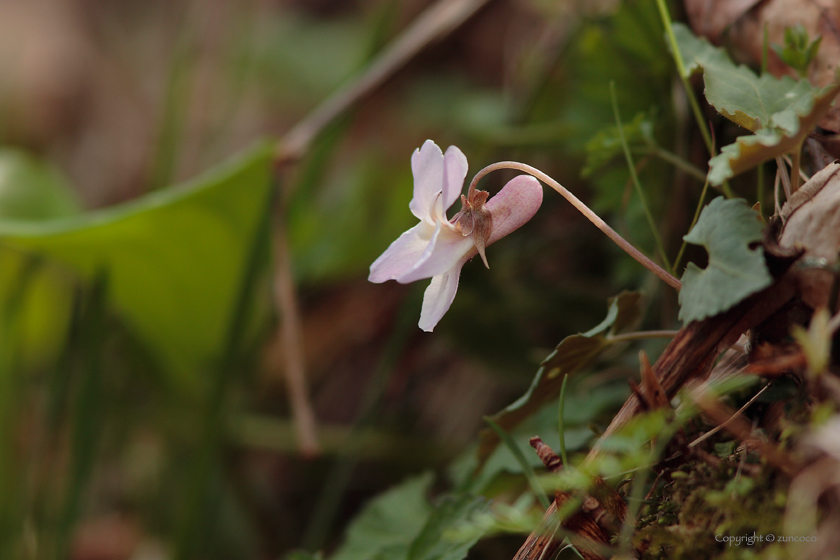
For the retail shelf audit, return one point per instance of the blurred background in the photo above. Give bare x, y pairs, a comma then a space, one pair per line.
145, 235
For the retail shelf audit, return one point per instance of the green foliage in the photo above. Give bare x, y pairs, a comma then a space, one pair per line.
786, 134
781, 112
174, 258
32, 191
574, 353
798, 51
34, 296
627, 48
436, 541
726, 229
606, 144
524, 465
592, 406
401, 525
388, 525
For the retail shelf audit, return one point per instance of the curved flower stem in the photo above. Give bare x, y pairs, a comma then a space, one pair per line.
628, 248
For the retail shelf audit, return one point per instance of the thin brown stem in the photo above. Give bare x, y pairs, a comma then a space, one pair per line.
794, 168
437, 21
291, 339
642, 335
628, 248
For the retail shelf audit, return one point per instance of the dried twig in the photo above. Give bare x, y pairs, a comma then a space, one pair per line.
740, 428
436, 22
719, 427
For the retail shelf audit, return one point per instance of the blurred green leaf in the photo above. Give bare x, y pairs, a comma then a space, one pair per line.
798, 51
174, 258
606, 144
726, 228
574, 353
304, 555
387, 526
302, 59
340, 228
592, 405
436, 541
32, 190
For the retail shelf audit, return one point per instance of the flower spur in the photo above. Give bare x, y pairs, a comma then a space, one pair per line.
438, 247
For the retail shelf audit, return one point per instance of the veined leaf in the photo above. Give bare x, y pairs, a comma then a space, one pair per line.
781, 111
174, 258
726, 228
738, 93
574, 353
749, 151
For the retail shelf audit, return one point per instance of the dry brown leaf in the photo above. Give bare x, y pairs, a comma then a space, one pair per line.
812, 222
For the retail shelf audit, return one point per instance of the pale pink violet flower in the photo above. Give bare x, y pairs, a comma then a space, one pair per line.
438, 247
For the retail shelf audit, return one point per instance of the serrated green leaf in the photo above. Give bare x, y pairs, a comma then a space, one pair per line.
752, 150
436, 540
781, 111
387, 526
174, 258
726, 228
574, 353
739, 94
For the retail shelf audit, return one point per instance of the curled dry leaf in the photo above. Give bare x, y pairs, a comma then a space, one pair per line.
812, 222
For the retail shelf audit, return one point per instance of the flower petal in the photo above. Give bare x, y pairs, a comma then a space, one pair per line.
439, 296
427, 167
514, 205
403, 254
446, 250
454, 172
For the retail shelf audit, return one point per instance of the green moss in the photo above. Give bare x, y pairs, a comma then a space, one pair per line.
694, 508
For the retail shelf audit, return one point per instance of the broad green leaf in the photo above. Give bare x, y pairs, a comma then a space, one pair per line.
726, 228
31, 190
571, 355
781, 111
387, 526
437, 541
174, 258
33, 295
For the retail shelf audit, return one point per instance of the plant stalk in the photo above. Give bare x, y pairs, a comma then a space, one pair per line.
628, 248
